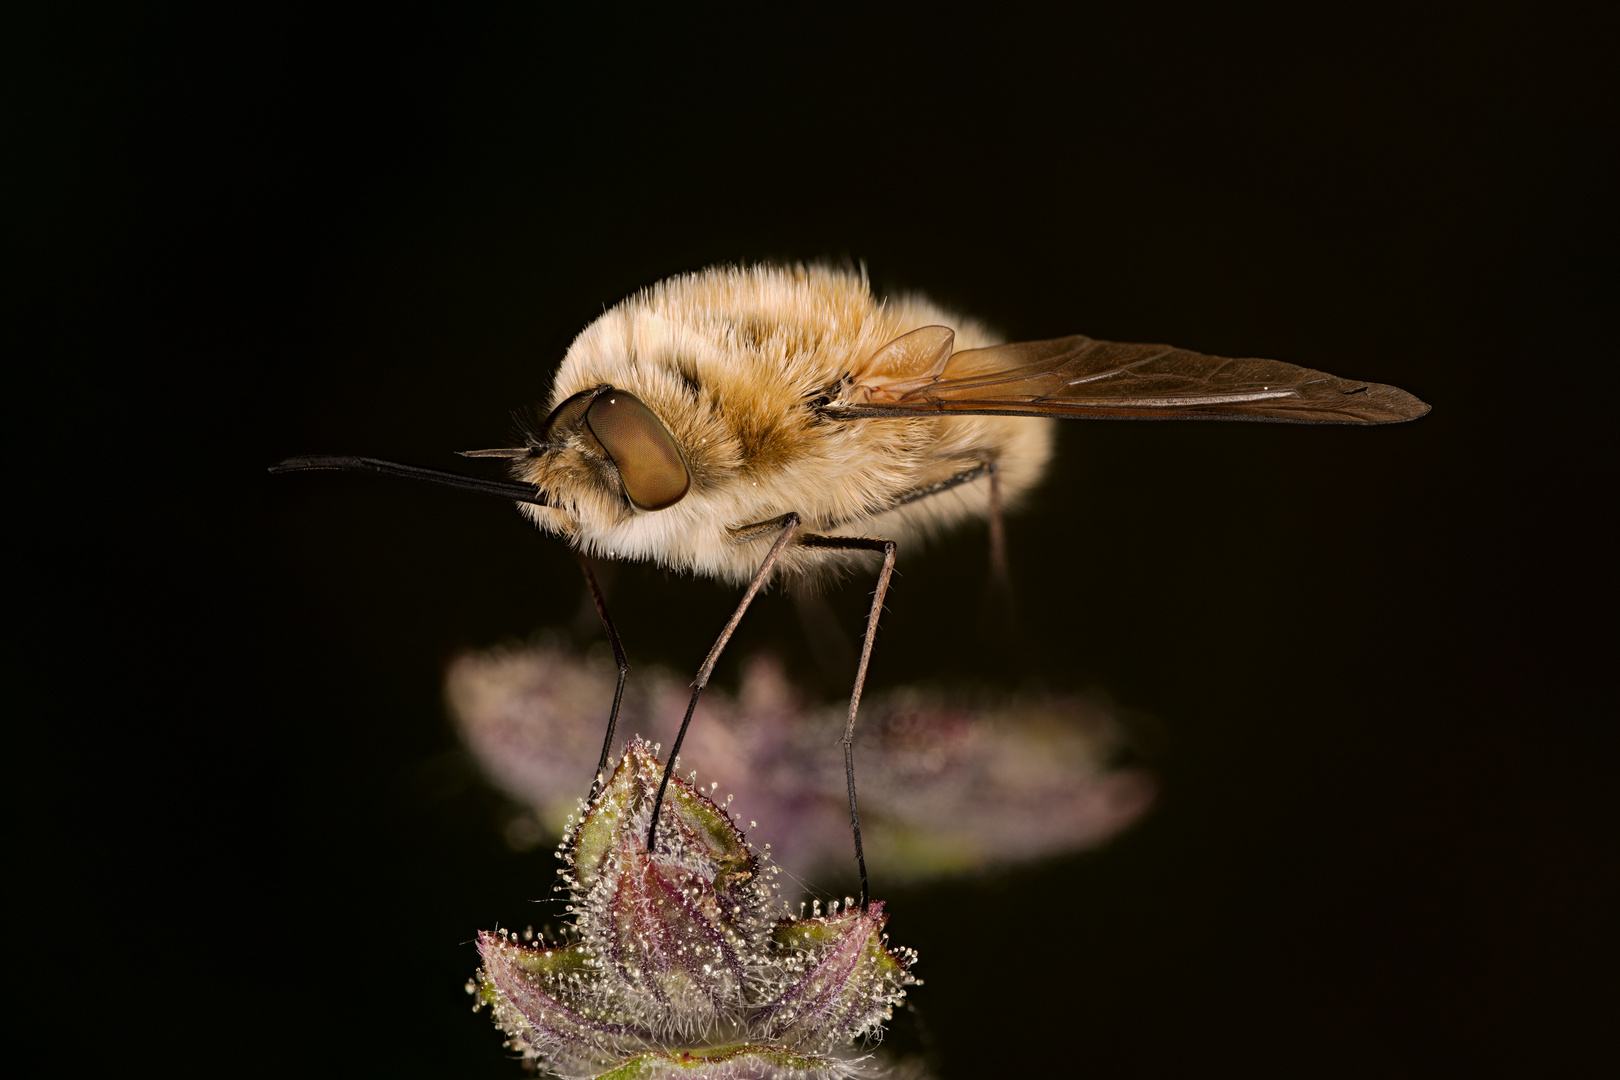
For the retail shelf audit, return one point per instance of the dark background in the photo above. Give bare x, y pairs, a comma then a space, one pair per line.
1366, 660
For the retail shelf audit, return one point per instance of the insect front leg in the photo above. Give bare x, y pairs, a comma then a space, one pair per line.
789, 524
859, 543
624, 671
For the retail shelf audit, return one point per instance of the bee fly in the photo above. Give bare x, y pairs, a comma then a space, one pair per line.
741, 423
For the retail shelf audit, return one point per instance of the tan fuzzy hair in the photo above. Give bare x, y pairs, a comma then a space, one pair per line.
734, 362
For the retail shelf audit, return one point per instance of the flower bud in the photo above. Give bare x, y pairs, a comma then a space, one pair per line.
674, 966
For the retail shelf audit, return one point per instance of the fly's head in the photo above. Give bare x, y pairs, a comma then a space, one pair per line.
604, 455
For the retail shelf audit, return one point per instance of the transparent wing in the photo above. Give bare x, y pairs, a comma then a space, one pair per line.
1081, 377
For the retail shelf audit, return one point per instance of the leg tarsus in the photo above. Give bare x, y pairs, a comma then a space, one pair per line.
854, 816
600, 600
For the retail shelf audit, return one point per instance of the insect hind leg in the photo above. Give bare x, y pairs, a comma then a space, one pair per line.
830, 647
1000, 580
859, 543
998, 534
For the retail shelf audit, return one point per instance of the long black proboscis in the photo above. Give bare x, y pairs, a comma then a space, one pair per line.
502, 489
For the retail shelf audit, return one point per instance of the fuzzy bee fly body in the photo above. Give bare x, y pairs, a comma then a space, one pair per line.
755, 423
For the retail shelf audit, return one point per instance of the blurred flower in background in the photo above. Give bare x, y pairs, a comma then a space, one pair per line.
681, 961
947, 783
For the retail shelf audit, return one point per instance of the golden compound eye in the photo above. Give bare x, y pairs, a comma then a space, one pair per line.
650, 466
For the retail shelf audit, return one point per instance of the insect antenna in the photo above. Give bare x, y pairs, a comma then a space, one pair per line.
501, 452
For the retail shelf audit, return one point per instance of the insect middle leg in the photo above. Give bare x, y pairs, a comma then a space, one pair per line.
790, 525
859, 543
624, 671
